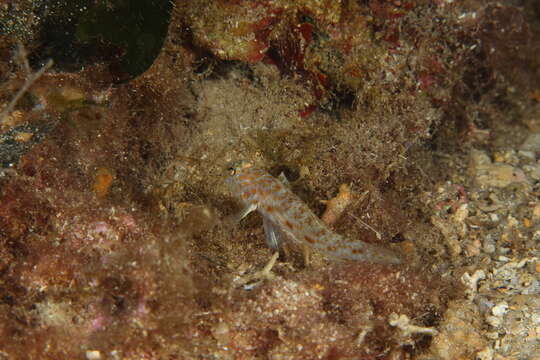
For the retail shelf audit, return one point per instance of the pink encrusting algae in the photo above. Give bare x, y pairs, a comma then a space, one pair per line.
285, 213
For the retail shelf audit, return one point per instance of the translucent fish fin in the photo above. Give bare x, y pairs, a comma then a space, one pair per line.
379, 255
342, 248
283, 179
273, 234
245, 211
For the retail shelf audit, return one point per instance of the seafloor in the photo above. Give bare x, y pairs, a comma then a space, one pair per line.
115, 232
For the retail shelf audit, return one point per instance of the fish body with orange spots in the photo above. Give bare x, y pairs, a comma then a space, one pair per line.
284, 213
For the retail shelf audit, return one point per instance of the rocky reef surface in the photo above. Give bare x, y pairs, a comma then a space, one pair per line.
118, 120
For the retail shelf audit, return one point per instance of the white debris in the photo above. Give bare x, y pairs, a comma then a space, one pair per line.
403, 323
471, 282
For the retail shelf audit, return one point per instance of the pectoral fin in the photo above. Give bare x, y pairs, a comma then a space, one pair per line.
245, 211
273, 234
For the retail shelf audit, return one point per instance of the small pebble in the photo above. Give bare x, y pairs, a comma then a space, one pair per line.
536, 212
93, 354
500, 309
494, 321
533, 171
527, 154
489, 246
532, 143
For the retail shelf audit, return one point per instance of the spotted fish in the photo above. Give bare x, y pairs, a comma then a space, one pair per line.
285, 214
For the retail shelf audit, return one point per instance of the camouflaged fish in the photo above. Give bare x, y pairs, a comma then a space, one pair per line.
285, 214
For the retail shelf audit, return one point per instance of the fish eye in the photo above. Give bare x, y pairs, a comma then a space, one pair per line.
237, 166
232, 168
